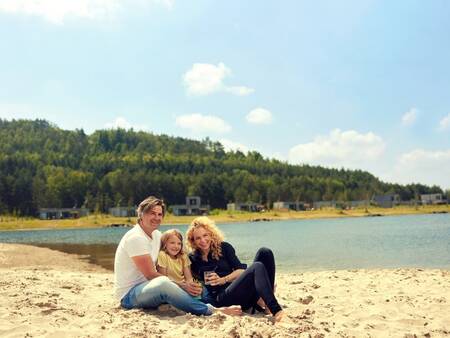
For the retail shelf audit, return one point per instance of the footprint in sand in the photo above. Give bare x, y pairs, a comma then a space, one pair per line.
306, 300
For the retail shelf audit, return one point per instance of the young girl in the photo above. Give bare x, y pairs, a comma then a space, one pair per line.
172, 260
175, 264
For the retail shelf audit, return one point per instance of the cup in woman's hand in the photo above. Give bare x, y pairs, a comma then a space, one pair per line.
208, 276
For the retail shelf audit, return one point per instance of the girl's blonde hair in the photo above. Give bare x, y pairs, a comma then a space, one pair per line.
165, 238
216, 235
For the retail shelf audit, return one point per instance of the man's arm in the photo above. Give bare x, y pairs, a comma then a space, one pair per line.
145, 265
161, 270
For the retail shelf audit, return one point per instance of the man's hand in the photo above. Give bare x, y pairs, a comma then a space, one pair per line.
192, 288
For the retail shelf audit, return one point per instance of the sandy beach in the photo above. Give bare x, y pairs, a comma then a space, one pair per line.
47, 293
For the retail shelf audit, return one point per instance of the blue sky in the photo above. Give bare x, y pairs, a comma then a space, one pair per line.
353, 84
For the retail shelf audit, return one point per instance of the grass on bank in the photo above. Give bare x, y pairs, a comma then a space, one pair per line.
220, 216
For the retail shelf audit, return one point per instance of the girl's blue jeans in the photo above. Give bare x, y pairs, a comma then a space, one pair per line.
161, 290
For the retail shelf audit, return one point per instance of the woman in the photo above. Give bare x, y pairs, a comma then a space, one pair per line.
228, 281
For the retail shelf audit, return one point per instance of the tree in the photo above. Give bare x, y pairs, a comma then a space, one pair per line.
42, 165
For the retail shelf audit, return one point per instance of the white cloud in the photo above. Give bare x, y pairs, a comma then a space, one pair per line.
122, 123
409, 117
422, 166
233, 146
444, 124
348, 149
57, 11
205, 79
230, 145
259, 116
169, 4
239, 90
199, 123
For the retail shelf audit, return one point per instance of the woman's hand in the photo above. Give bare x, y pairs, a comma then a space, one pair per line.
214, 279
192, 288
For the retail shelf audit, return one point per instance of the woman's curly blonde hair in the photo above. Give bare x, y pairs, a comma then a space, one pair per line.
216, 235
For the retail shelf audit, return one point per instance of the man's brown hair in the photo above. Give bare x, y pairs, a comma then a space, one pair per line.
148, 204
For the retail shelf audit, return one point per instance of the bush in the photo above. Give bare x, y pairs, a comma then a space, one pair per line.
215, 212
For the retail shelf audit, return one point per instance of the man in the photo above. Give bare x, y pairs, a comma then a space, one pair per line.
137, 283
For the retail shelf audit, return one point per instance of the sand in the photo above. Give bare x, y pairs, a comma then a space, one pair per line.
46, 293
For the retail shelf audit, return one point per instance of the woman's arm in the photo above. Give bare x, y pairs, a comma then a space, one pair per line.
229, 254
226, 279
194, 267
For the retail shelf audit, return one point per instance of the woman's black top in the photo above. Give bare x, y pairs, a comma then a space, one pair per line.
223, 266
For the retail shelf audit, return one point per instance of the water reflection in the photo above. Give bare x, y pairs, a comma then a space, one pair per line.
100, 254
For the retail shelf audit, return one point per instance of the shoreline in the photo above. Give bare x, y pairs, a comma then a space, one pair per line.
98, 221
49, 293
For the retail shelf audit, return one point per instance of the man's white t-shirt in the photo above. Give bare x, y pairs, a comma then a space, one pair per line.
134, 243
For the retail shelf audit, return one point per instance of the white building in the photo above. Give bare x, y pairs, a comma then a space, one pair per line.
432, 199
60, 213
123, 211
193, 206
297, 206
250, 206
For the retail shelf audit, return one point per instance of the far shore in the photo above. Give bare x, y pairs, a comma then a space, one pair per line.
104, 220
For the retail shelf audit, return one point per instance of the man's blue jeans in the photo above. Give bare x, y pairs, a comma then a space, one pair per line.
160, 290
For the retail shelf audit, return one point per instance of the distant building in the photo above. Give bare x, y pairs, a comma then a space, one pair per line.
357, 204
193, 206
123, 211
297, 206
432, 199
61, 213
324, 204
386, 201
250, 207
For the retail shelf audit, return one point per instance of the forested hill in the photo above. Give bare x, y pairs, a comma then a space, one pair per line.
42, 165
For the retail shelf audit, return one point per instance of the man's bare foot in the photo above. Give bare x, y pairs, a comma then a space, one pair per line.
234, 310
278, 317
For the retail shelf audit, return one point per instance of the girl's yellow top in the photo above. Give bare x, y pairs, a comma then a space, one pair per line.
174, 266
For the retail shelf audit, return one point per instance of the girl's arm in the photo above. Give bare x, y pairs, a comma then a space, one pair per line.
188, 284
187, 274
163, 271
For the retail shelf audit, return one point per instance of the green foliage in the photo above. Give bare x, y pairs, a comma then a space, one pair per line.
42, 165
215, 212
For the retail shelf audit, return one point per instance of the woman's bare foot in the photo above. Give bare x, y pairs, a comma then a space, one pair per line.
278, 317
234, 310
263, 306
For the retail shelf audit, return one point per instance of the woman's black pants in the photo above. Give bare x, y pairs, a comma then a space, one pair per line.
255, 282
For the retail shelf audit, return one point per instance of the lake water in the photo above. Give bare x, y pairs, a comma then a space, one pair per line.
421, 241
